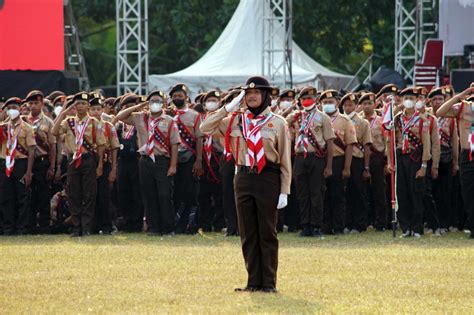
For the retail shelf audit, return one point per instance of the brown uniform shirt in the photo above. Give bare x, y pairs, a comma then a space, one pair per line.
94, 134
363, 134
191, 119
448, 136
25, 139
424, 137
42, 127
432, 125
320, 126
166, 125
344, 131
377, 132
111, 138
464, 112
275, 138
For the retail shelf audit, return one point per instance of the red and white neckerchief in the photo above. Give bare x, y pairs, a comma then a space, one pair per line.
127, 131
79, 131
306, 121
470, 139
406, 125
12, 141
152, 123
251, 126
34, 121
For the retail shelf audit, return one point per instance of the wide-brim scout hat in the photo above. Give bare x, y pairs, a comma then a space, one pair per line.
409, 91
211, 93
180, 87
259, 83
367, 97
349, 96
287, 93
12, 101
435, 92
389, 88
328, 94
35, 95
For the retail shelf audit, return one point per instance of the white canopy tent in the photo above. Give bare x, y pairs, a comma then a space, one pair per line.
237, 55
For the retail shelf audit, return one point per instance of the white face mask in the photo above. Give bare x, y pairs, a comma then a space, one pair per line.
13, 113
211, 106
57, 110
274, 102
156, 107
285, 104
419, 104
408, 104
329, 108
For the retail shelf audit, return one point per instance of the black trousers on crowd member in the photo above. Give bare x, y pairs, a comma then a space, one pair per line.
458, 215
442, 193
185, 196
82, 193
377, 191
335, 199
467, 185
410, 191
291, 214
309, 179
227, 171
157, 189
430, 211
211, 211
357, 208
14, 198
40, 196
103, 211
256, 198
129, 194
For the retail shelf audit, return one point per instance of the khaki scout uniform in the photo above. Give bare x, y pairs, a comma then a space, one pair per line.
40, 188
312, 130
13, 193
257, 194
335, 200
82, 180
156, 186
413, 146
357, 208
464, 113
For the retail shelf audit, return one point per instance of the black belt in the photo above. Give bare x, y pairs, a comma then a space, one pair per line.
42, 158
310, 154
84, 156
269, 168
157, 157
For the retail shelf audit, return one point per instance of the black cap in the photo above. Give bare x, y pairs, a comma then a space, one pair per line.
81, 96
259, 83
96, 101
409, 91
211, 93
437, 91
328, 94
180, 87
389, 88
307, 91
349, 96
157, 92
287, 93
367, 97
12, 101
35, 95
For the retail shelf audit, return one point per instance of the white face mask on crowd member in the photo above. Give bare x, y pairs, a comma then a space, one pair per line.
211, 106
156, 107
285, 104
420, 104
408, 104
329, 108
13, 113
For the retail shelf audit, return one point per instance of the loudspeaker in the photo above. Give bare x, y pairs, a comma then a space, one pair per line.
461, 79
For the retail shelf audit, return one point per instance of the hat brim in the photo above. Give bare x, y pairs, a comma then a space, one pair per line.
258, 87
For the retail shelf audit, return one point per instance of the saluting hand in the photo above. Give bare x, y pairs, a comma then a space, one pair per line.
235, 103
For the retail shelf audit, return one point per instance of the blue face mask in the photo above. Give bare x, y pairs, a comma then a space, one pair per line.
329, 108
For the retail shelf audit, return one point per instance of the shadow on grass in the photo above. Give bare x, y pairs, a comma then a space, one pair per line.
281, 303
287, 240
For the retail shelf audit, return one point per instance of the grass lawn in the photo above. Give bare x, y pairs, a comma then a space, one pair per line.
130, 273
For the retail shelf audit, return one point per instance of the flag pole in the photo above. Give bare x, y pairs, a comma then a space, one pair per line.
393, 178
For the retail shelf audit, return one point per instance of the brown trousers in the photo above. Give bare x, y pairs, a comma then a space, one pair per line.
256, 198
82, 193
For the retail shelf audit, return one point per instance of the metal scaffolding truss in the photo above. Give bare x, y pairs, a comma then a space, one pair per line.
415, 21
277, 39
132, 46
72, 45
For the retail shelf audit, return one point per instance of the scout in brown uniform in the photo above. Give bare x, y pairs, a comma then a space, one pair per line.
103, 211
18, 144
448, 161
260, 144
129, 194
313, 162
189, 159
463, 110
335, 200
84, 147
158, 140
357, 208
377, 162
45, 161
413, 143
430, 211
211, 217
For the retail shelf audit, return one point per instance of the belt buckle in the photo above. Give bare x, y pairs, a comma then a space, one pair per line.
252, 170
